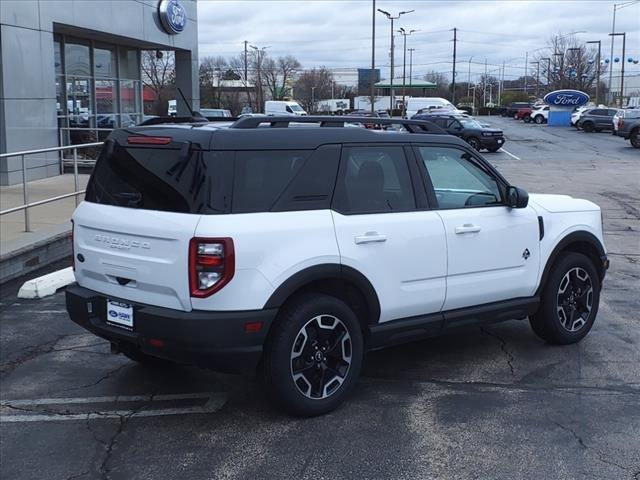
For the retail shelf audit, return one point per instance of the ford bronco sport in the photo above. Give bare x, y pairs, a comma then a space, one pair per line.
294, 245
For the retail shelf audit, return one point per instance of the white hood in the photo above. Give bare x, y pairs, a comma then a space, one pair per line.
561, 203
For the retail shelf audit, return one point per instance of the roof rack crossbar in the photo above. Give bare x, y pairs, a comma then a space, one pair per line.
412, 126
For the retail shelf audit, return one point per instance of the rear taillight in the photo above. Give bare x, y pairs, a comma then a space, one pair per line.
211, 265
142, 140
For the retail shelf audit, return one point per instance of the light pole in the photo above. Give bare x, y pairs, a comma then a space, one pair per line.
313, 99
624, 42
392, 18
259, 53
404, 34
537, 64
599, 42
372, 75
616, 7
548, 59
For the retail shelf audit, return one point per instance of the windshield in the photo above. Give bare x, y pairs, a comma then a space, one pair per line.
296, 108
470, 123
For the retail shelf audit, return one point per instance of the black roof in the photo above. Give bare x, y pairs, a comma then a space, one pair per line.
271, 133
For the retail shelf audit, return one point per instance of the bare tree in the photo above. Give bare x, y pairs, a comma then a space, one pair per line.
212, 71
567, 63
442, 82
278, 75
159, 74
238, 67
313, 85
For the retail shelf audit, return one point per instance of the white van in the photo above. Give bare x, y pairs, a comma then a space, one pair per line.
414, 104
277, 107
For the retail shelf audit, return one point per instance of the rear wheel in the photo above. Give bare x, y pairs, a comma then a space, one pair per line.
569, 302
539, 119
634, 138
527, 119
474, 142
588, 127
313, 356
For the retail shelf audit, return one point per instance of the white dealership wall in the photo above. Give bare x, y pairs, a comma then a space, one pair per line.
27, 78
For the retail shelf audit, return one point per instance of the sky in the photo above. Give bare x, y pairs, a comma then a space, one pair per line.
337, 33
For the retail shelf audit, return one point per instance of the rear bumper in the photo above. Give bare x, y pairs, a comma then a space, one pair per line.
622, 134
215, 340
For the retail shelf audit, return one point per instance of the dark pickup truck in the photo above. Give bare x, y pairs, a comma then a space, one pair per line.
467, 128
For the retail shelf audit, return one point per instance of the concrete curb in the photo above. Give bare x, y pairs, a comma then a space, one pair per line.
47, 284
29, 258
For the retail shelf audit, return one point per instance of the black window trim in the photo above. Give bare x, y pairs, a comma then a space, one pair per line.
431, 194
341, 176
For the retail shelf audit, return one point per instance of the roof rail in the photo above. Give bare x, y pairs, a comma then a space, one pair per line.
412, 126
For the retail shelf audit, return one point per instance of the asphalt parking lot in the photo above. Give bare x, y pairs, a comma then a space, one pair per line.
493, 402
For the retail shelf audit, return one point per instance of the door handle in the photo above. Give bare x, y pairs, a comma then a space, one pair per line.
467, 228
370, 237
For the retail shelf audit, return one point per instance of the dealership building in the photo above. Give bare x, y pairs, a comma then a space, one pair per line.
71, 70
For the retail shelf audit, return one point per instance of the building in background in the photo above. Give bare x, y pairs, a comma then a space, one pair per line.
70, 71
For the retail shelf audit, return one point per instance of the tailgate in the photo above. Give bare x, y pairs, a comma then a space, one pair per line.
134, 254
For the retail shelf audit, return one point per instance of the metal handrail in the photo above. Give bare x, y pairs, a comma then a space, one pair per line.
25, 188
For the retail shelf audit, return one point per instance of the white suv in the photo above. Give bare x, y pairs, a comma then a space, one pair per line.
539, 114
295, 250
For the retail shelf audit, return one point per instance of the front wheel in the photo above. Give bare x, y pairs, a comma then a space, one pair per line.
493, 149
539, 119
635, 139
313, 356
569, 302
474, 142
588, 127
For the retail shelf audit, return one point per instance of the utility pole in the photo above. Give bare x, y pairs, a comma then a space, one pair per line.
624, 43
526, 72
246, 78
484, 85
392, 18
259, 52
453, 81
537, 64
404, 34
469, 77
501, 89
599, 42
411, 50
372, 76
548, 59
560, 68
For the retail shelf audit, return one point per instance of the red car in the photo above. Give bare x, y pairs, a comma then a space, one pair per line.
523, 114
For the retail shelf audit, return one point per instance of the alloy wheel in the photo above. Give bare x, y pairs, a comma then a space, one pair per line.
475, 144
321, 357
575, 299
635, 139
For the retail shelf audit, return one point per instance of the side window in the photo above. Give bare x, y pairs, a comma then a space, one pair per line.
289, 109
452, 123
374, 180
458, 180
612, 113
260, 177
598, 112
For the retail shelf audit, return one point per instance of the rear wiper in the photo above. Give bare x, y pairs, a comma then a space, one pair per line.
183, 161
132, 199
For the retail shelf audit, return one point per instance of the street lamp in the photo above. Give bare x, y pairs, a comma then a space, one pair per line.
537, 64
469, 77
404, 34
599, 42
624, 42
616, 6
259, 51
392, 18
411, 50
548, 59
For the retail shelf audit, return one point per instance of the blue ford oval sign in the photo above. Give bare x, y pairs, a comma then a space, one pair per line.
566, 98
173, 16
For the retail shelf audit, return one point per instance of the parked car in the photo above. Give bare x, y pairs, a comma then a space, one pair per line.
540, 114
277, 107
307, 247
524, 114
629, 127
210, 113
596, 119
577, 113
511, 109
477, 135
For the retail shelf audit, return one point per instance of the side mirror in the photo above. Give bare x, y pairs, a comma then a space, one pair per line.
517, 197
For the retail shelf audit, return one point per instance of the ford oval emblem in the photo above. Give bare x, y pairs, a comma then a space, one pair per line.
566, 98
173, 16
113, 313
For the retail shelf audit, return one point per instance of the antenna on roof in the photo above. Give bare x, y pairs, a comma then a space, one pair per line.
191, 110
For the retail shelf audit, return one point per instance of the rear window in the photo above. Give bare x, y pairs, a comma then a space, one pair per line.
174, 180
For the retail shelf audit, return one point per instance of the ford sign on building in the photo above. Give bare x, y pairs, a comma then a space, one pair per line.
562, 103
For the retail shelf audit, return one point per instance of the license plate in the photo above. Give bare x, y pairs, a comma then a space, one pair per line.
120, 314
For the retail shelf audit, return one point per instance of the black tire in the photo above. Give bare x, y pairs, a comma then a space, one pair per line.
306, 313
588, 127
527, 119
134, 353
560, 292
474, 142
539, 119
634, 138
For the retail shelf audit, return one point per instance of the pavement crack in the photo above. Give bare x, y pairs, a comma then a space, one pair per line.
78, 475
106, 376
573, 432
503, 347
32, 352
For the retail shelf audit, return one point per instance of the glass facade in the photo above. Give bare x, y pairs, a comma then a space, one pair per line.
98, 88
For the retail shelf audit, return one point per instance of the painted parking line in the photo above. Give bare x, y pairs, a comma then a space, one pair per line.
214, 402
510, 154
